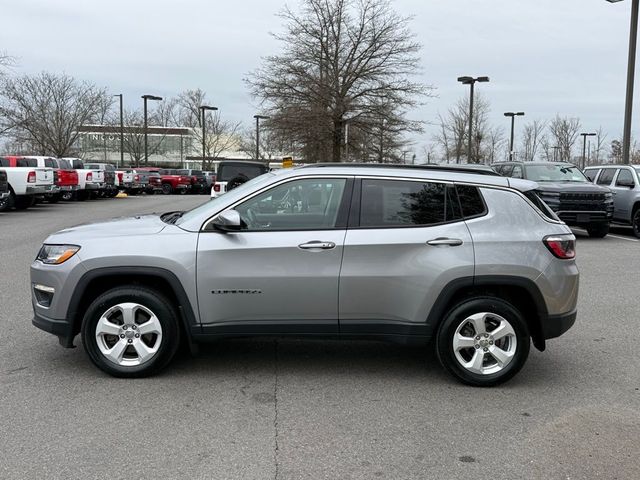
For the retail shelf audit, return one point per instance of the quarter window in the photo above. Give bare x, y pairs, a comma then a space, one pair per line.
399, 203
471, 201
625, 177
310, 204
606, 176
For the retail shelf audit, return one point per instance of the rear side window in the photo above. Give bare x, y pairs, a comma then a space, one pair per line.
50, 163
506, 170
4, 162
591, 174
400, 203
77, 164
538, 202
606, 176
27, 162
625, 177
470, 201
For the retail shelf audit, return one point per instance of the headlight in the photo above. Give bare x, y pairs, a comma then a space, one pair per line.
56, 254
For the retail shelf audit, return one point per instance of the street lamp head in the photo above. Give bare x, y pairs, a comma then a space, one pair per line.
614, 1
117, 95
261, 117
151, 97
465, 80
520, 114
207, 107
482, 79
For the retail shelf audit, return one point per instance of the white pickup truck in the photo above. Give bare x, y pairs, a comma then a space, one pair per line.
25, 183
90, 181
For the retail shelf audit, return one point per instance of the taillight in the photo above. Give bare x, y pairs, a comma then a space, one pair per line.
31, 177
136, 178
216, 187
561, 246
89, 177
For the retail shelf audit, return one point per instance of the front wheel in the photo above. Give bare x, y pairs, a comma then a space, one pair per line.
598, 230
167, 189
22, 202
130, 331
483, 341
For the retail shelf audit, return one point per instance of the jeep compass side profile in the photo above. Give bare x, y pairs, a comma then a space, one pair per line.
477, 262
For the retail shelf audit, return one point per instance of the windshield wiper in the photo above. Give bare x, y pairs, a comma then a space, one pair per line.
171, 217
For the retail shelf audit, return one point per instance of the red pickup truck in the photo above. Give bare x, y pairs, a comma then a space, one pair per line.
171, 180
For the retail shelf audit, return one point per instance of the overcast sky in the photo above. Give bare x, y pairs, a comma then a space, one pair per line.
543, 56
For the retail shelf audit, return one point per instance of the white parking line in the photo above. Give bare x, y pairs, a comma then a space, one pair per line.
624, 238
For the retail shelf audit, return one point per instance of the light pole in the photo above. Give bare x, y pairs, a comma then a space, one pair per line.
204, 109
584, 146
146, 151
258, 118
631, 70
513, 116
471, 82
121, 132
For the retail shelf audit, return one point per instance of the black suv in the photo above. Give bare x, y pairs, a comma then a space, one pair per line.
563, 187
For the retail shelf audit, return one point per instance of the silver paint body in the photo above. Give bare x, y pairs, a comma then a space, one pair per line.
377, 275
624, 198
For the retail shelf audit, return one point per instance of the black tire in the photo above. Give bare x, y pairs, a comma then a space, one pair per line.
5, 204
67, 196
54, 198
598, 230
167, 189
22, 202
82, 195
148, 298
635, 223
458, 316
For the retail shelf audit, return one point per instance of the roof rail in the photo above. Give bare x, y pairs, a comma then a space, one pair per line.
464, 168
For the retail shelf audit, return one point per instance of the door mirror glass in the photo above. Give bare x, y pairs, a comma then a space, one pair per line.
227, 221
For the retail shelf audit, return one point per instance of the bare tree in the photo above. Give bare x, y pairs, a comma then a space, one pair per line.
220, 135
599, 152
496, 141
564, 133
532, 135
47, 109
341, 59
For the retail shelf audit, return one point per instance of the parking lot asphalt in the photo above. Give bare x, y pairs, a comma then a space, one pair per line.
289, 409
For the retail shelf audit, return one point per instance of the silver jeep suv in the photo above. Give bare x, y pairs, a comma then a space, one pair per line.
476, 262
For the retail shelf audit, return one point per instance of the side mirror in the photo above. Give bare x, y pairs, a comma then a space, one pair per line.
227, 221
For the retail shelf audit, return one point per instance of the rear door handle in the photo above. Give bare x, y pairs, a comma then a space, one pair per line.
450, 242
316, 244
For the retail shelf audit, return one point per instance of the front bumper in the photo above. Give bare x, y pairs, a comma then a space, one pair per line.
579, 218
555, 325
60, 328
4, 195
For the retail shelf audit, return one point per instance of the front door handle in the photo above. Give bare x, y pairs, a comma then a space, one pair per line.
450, 242
316, 244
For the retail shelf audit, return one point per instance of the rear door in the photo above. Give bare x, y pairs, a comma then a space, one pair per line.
623, 194
407, 242
280, 272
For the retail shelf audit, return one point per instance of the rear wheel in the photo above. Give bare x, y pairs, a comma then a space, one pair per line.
598, 230
167, 189
483, 341
635, 222
22, 202
130, 331
54, 198
66, 196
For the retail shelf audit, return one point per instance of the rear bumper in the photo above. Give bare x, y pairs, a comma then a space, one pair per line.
37, 189
94, 186
68, 188
555, 325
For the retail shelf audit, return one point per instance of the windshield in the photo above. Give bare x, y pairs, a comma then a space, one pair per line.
215, 204
555, 173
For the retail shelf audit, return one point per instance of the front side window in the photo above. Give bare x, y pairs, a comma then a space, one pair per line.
309, 204
591, 174
517, 171
400, 203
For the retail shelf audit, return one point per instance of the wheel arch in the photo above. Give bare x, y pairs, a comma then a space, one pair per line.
521, 292
97, 281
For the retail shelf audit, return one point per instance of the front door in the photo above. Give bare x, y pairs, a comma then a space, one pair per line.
280, 272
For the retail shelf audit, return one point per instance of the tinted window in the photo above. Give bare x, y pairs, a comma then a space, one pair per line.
591, 174
625, 177
297, 205
183, 172
538, 202
65, 164
27, 162
50, 163
229, 171
555, 173
506, 170
517, 171
78, 164
4, 162
389, 203
470, 200
606, 176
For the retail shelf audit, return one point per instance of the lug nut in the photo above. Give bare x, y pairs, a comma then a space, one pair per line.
485, 348
130, 341
490, 342
124, 327
478, 337
134, 326
137, 335
476, 346
122, 335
